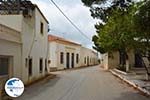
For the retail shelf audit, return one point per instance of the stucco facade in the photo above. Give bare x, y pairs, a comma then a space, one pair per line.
10, 54
58, 48
64, 54
112, 60
88, 57
33, 44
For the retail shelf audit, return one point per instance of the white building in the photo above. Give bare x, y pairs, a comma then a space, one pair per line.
115, 59
10, 54
64, 54
88, 57
23, 43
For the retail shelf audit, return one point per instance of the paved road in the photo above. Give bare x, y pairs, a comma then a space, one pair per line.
83, 84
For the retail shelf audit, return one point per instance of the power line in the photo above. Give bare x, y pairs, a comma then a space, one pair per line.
75, 26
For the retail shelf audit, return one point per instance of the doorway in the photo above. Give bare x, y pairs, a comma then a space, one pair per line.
72, 60
67, 60
122, 55
138, 59
88, 61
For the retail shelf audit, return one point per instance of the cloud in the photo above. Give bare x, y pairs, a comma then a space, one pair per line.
60, 26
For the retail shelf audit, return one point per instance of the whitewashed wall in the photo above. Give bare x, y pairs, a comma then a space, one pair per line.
34, 44
12, 21
56, 47
10, 46
88, 54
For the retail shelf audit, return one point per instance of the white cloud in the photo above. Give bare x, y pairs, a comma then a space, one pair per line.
78, 13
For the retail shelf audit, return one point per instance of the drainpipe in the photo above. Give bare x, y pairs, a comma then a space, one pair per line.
47, 54
32, 45
0, 93
34, 39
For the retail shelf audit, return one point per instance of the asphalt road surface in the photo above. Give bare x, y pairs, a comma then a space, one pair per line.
90, 83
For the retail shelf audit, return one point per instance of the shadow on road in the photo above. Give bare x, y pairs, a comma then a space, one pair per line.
131, 96
36, 88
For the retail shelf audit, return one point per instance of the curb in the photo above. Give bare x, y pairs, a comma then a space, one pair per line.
120, 71
144, 91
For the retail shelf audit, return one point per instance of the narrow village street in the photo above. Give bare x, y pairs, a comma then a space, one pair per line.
90, 83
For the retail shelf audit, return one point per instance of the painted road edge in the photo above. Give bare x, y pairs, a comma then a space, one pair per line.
144, 91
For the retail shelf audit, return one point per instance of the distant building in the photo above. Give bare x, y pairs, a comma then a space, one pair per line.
88, 57
116, 58
64, 54
23, 41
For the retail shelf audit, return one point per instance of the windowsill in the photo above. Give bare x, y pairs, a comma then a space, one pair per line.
3, 76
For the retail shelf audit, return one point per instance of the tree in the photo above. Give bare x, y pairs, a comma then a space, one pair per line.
142, 25
125, 25
102, 9
116, 33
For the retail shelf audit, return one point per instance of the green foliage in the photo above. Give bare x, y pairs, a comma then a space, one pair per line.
116, 33
104, 9
142, 18
126, 24
142, 25
91, 2
121, 24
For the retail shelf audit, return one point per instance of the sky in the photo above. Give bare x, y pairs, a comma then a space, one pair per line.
60, 26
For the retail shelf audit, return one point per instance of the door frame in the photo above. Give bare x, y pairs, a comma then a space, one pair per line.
72, 60
67, 60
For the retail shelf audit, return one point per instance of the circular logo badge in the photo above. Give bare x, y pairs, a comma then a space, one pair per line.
14, 87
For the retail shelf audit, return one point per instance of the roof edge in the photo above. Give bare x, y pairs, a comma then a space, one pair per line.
41, 13
56, 38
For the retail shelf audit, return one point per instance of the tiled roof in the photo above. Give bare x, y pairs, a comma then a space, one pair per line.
56, 38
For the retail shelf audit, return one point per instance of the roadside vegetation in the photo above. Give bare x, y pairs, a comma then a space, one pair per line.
123, 25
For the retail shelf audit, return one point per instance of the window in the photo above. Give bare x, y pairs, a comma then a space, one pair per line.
26, 62
45, 65
42, 28
61, 58
30, 67
85, 60
77, 58
41, 65
4, 64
